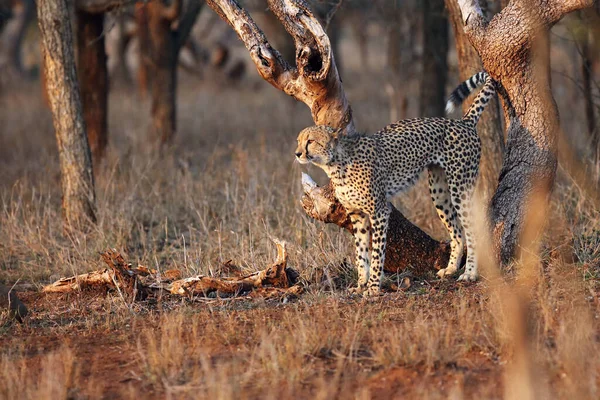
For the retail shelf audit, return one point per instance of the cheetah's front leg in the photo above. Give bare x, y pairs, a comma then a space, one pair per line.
362, 241
379, 225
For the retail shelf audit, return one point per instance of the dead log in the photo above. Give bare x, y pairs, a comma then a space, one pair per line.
124, 276
9, 301
315, 81
95, 279
276, 280
119, 275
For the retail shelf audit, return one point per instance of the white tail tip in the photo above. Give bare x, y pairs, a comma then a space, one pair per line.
450, 107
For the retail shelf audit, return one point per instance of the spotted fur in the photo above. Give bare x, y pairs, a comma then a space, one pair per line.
367, 170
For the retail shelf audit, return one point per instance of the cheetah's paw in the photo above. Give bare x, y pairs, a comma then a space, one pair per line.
470, 276
360, 289
372, 292
446, 272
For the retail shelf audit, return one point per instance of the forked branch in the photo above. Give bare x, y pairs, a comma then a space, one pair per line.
315, 80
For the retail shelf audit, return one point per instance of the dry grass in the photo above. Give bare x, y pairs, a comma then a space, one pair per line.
227, 185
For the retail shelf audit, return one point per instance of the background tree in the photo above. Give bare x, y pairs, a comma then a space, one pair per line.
587, 38
435, 67
93, 78
514, 50
401, 51
165, 42
77, 180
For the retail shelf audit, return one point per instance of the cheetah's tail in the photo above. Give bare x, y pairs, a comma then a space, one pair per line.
481, 100
463, 90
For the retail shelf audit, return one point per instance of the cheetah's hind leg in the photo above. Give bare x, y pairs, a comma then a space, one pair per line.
462, 201
440, 194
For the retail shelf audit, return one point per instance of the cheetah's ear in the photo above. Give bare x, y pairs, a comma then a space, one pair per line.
337, 133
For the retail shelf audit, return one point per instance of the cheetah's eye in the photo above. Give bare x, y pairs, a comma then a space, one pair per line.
309, 141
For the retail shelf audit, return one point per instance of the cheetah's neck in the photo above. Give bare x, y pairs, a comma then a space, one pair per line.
336, 169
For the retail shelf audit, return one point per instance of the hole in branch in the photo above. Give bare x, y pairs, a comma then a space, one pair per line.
315, 62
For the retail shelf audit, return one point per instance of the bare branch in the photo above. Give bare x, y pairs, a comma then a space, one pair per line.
560, 8
269, 63
318, 85
315, 81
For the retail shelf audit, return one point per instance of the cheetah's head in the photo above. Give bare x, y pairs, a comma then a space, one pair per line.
316, 145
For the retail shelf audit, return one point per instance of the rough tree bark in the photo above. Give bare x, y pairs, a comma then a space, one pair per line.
77, 180
489, 126
315, 82
93, 79
514, 50
435, 67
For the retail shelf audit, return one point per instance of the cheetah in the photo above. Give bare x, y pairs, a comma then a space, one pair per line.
367, 170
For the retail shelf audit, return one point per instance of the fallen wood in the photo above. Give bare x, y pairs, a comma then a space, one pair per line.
275, 281
276, 276
9, 301
94, 279
119, 275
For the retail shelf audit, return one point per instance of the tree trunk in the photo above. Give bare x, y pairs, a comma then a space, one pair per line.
396, 54
165, 44
163, 69
435, 51
77, 180
93, 79
141, 19
489, 127
514, 50
589, 56
315, 81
